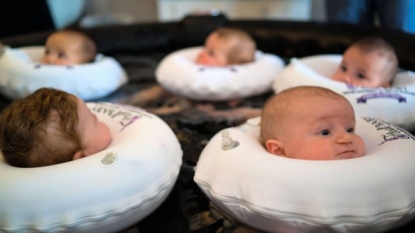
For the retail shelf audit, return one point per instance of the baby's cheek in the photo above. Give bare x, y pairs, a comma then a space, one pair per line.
361, 146
105, 130
44, 60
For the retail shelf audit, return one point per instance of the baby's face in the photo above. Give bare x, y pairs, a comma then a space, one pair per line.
322, 128
214, 52
362, 69
61, 49
95, 135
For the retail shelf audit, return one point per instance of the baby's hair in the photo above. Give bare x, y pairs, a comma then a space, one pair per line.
381, 48
40, 129
275, 107
244, 46
88, 49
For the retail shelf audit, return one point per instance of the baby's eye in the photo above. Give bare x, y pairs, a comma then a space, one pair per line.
62, 55
350, 130
325, 132
343, 68
47, 51
211, 53
360, 76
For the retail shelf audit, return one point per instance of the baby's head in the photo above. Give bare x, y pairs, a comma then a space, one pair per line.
50, 127
310, 123
69, 47
227, 46
369, 62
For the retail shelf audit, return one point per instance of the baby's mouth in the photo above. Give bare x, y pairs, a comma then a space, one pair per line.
348, 154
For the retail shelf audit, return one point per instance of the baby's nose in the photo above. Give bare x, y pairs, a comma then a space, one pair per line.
344, 77
344, 138
347, 79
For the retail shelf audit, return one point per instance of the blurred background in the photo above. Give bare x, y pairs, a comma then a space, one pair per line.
37, 15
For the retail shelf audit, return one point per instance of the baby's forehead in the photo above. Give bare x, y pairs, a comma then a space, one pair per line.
379, 52
379, 59
299, 94
307, 103
227, 40
71, 37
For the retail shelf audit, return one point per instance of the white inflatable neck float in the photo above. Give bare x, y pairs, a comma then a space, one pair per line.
178, 73
105, 192
22, 74
373, 193
395, 105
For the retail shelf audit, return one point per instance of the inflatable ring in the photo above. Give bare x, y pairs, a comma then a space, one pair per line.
373, 193
105, 192
395, 105
22, 74
178, 73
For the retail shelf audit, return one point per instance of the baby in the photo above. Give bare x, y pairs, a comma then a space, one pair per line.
369, 62
224, 46
227, 46
69, 47
50, 127
311, 123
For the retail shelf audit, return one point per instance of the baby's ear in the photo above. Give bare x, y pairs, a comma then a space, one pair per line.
275, 147
78, 155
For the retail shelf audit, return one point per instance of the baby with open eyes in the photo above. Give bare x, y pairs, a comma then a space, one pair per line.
369, 62
311, 123
69, 47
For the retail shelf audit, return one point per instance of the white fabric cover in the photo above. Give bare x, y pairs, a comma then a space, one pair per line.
395, 105
100, 193
179, 74
373, 193
22, 74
